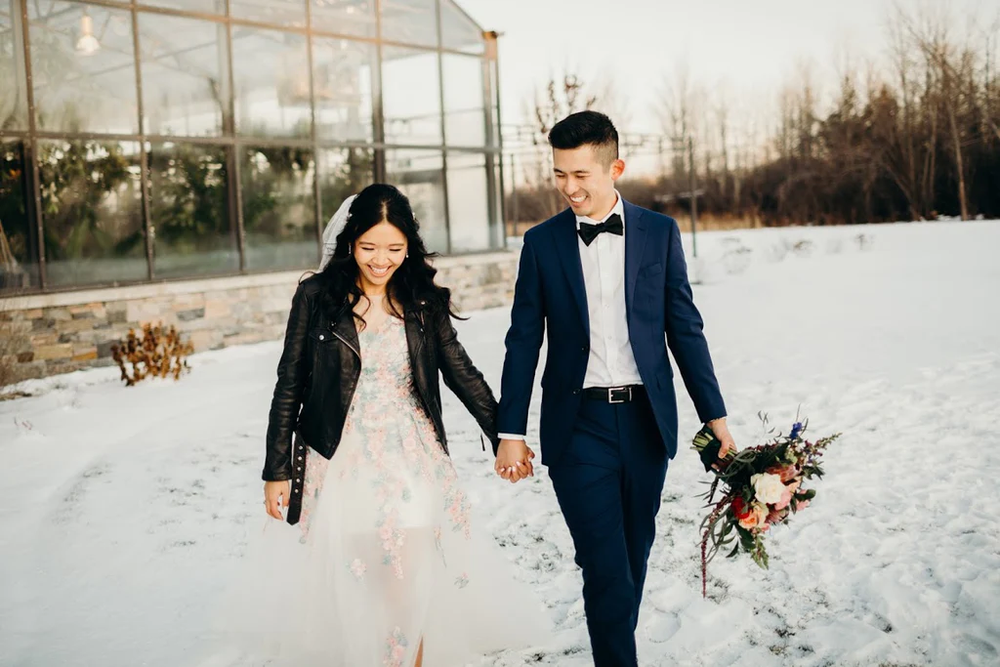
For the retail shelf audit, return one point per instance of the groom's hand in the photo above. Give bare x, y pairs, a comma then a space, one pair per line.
514, 460
721, 432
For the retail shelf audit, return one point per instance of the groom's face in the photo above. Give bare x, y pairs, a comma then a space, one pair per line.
586, 179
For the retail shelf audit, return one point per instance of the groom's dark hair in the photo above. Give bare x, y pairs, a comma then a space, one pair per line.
587, 128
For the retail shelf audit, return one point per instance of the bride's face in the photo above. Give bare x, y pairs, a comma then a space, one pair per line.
379, 252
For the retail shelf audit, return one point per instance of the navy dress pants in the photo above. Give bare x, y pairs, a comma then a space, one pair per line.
608, 483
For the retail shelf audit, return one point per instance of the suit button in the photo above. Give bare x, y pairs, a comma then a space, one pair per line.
576, 391
583, 348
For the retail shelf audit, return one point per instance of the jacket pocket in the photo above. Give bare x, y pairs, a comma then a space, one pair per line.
321, 336
651, 269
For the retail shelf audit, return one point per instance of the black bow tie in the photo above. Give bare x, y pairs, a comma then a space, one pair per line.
613, 225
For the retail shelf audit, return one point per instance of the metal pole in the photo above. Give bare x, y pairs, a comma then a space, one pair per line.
694, 197
149, 229
33, 203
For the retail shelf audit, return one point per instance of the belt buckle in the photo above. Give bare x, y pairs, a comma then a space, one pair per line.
612, 390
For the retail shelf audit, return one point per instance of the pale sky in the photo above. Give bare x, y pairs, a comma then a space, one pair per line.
747, 47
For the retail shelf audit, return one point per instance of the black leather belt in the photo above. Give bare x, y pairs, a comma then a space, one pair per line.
624, 394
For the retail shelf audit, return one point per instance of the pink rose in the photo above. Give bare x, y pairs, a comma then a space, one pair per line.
786, 495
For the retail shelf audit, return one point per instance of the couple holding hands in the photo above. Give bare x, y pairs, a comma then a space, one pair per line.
391, 570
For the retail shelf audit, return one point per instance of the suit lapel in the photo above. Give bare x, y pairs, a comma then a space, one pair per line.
635, 243
569, 253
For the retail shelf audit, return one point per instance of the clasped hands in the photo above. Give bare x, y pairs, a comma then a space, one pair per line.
514, 461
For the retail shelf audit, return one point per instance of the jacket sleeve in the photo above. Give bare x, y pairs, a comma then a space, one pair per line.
463, 378
293, 373
523, 342
685, 335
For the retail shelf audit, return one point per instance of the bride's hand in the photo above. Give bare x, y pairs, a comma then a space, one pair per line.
514, 460
275, 494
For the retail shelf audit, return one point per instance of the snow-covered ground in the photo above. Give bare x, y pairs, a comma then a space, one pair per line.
126, 510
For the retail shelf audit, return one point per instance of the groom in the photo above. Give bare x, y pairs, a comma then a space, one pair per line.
609, 281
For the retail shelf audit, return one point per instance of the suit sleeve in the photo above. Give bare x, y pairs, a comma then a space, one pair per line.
523, 342
685, 335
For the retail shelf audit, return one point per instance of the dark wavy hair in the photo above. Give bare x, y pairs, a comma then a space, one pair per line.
412, 284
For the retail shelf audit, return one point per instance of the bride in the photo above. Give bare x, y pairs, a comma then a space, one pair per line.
386, 567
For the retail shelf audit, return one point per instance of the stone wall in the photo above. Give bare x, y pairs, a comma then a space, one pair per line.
47, 334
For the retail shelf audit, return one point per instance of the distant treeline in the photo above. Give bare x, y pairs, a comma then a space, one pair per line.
915, 138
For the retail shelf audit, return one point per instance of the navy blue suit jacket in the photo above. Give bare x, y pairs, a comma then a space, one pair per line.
550, 293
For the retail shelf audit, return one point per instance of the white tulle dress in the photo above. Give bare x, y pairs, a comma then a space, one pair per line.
385, 555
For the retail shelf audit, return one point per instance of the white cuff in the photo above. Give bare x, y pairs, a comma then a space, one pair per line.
511, 436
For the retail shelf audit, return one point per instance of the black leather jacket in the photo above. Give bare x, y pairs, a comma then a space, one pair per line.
319, 371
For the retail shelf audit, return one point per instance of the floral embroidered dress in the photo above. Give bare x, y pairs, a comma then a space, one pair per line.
388, 556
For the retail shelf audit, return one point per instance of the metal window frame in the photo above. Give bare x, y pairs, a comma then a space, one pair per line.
233, 143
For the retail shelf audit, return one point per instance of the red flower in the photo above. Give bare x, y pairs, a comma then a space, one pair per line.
787, 473
741, 508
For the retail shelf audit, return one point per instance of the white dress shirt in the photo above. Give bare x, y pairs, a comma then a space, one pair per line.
611, 362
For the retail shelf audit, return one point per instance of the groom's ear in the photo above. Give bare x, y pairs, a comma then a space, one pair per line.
617, 169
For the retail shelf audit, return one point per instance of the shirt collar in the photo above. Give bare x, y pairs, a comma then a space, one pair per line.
618, 208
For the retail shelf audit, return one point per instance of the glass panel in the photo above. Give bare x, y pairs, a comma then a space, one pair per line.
465, 118
13, 101
468, 202
203, 6
83, 67
18, 245
411, 97
185, 78
279, 216
458, 31
410, 22
278, 12
271, 75
342, 173
91, 212
346, 17
342, 87
419, 175
193, 233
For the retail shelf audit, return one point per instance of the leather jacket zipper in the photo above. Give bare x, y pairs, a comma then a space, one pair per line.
346, 342
357, 352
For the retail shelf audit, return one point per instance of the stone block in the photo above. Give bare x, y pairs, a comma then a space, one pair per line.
47, 338
189, 315
215, 308
42, 324
84, 354
54, 352
203, 340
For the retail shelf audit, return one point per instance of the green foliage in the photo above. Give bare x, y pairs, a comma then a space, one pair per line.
89, 200
188, 204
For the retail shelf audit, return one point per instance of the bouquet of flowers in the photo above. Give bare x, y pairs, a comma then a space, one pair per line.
755, 489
